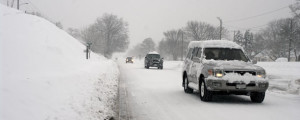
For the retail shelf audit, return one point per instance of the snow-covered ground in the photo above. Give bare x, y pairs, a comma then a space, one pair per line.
44, 74
154, 94
284, 77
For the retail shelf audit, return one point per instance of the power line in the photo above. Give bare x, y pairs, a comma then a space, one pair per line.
255, 28
262, 14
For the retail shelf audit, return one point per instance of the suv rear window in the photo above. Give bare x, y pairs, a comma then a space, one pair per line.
153, 56
225, 54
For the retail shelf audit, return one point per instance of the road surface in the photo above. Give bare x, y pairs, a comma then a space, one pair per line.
153, 94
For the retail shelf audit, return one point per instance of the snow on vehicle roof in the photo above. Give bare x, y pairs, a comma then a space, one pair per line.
214, 43
153, 52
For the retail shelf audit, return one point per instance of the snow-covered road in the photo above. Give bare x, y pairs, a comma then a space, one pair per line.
153, 94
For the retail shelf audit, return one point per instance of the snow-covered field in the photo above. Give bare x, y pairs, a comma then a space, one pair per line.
154, 94
44, 74
284, 77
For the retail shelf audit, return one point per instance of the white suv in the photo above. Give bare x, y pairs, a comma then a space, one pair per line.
221, 67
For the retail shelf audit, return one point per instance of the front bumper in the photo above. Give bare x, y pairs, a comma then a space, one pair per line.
238, 86
155, 64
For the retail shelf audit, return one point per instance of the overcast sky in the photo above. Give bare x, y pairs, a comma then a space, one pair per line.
150, 18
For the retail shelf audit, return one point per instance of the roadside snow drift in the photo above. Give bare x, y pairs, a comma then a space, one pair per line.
44, 74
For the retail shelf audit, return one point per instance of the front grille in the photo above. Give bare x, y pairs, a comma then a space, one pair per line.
234, 84
155, 61
241, 72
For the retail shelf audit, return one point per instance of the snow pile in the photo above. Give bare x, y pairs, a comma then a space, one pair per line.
281, 60
44, 73
214, 43
283, 77
294, 87
235, 77
246, 78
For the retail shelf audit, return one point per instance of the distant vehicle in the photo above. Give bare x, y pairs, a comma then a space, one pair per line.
129, 60
221, 67
153, 59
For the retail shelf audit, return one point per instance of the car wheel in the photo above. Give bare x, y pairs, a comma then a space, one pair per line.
147, 66
205, 95
186, 88
257, 97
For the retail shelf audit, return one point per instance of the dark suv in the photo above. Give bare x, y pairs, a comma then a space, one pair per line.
221, 67
153, 59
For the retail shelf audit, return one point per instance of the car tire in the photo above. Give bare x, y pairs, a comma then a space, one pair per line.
257, 97
147, 66
205, 95
186, 88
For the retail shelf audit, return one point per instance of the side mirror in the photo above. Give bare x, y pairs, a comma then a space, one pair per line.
254, 61
196, 59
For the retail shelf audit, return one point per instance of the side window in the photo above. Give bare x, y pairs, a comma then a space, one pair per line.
194, 52
199, 52
188, 56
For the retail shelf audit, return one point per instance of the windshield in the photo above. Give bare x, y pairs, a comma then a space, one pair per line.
151, 56
225, 54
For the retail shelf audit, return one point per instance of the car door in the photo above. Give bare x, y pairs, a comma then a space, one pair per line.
192, 66
196, 65
187, 61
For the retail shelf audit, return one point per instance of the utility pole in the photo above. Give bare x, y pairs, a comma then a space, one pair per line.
220, 27
290, 41
233, 36
18, 4
88, 47
182, 45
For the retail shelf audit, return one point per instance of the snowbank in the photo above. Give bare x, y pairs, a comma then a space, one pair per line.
284, 77
281, 60
44, 73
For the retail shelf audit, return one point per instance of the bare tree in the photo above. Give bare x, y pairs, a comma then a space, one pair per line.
164, 48
143, 48
203, 31
277, 35
172, 37
59, 25
108, 34
147, 45
74, 32
295, 8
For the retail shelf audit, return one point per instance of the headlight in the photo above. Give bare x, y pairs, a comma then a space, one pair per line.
216, 73
261, 74
219, 73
